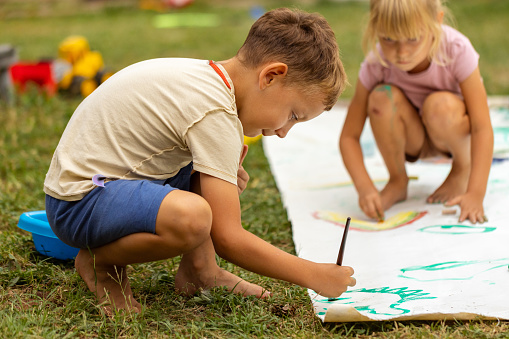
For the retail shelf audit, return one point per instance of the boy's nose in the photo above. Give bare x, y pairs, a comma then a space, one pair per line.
283, 131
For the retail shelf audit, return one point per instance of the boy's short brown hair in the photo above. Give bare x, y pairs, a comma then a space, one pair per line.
305, 43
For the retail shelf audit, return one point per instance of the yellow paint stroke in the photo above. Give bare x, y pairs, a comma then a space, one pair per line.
350, 183
398, 220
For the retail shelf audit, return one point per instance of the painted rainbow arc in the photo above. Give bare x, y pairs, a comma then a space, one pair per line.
398, 220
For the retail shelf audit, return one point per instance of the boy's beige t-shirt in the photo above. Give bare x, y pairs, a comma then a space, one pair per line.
147, 122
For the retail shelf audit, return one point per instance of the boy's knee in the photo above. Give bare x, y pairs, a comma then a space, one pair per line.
188, 220
382, 101
196, 218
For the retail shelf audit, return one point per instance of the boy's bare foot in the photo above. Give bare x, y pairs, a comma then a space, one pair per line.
109, 283
189, 282
454, 185
395, 191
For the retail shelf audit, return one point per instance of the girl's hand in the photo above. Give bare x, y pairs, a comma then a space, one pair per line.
371, 204
471, 207
331, 280
242, 175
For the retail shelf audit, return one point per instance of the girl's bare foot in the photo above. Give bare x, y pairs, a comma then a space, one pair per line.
455, 184
188, 281
109, 283
394, 192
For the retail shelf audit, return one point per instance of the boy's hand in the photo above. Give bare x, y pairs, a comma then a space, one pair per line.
471, 207
242, 176
371, 204
332, 280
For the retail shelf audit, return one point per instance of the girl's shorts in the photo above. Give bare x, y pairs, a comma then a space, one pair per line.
108, 213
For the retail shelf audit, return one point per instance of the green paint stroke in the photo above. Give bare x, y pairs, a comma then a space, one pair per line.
333, 300
394, 308
385, 88
456, 229
452, 270
388, 91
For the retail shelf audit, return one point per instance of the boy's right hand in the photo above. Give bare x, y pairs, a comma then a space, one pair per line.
371, 204
332, 280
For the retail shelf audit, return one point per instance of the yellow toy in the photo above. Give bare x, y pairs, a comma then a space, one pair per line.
251, 140
81, 70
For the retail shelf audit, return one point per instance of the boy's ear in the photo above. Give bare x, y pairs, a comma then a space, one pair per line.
272, 73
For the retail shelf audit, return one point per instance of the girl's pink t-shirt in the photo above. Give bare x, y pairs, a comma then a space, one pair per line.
462, 60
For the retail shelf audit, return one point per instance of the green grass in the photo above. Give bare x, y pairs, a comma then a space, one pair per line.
45, 298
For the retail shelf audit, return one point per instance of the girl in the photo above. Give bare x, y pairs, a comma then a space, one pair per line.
421, 88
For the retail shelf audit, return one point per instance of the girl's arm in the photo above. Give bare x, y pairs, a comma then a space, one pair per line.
350, 148
476, 102
238, 246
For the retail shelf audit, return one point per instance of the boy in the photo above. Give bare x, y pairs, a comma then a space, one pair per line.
150, 164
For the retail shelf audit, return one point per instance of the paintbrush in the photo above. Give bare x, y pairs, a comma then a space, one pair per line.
339, 262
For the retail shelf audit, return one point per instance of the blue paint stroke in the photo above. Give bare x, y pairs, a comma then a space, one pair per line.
456, 229
394, 309
452, 270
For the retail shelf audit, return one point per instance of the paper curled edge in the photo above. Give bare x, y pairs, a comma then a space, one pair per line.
348, 313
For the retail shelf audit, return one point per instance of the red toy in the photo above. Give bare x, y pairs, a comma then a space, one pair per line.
39, 73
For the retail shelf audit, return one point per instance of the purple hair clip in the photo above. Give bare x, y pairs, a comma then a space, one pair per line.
98, 180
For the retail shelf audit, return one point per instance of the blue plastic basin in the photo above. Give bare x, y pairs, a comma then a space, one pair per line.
45, 241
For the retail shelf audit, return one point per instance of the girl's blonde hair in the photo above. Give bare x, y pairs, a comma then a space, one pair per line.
406, 19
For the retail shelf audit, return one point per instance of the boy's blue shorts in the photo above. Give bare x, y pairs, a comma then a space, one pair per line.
109, 213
